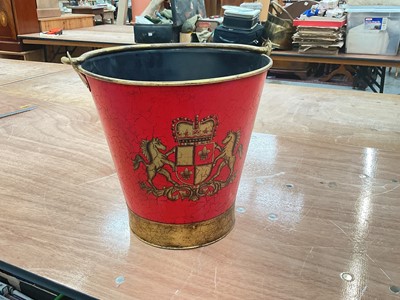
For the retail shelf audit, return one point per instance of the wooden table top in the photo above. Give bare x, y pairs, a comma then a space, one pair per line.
96, 36
66, 17
87, 8
319, 197
341, 58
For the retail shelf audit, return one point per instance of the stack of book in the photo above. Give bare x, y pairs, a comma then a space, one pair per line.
240, 26
236, 17
319, 35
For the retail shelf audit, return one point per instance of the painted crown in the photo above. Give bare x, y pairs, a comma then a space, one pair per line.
187, 131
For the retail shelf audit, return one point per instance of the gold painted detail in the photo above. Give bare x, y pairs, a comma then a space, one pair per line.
196, 166
182, 236
3, 18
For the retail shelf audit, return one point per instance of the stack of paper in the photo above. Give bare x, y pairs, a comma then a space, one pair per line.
323, 40
317, 34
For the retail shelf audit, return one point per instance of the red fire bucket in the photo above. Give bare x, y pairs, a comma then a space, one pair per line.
178, 119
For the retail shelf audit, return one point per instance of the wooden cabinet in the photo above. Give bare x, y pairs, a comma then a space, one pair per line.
17, 17
67, 21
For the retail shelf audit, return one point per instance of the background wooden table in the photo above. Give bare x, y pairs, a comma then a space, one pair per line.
96, 36
340, 59
319, 196
370, 69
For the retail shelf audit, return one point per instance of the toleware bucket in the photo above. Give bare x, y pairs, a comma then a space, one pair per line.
178, 120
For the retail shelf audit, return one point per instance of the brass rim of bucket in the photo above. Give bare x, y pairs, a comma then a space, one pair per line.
182, 236
76, 63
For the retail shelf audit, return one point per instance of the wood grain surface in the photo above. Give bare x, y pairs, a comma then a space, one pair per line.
340, 58
66, 22
319, 196
95, 36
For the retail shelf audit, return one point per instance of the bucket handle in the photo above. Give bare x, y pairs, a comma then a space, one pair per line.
74, 63
268, 46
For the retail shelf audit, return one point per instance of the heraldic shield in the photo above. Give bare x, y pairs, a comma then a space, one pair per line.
198, 166
194, 162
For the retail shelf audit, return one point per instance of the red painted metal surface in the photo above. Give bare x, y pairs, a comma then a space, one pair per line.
179, 150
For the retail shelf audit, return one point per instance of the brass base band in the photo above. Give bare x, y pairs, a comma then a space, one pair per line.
182, 236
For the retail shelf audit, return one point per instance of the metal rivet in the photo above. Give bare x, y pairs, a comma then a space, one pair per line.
395, 289
240, 209
347, 276
289, 185
363, 176
272, 217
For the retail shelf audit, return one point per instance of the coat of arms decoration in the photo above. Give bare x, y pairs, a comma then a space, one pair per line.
196, 167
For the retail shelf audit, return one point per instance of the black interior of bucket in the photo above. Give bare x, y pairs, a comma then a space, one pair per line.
175, 64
